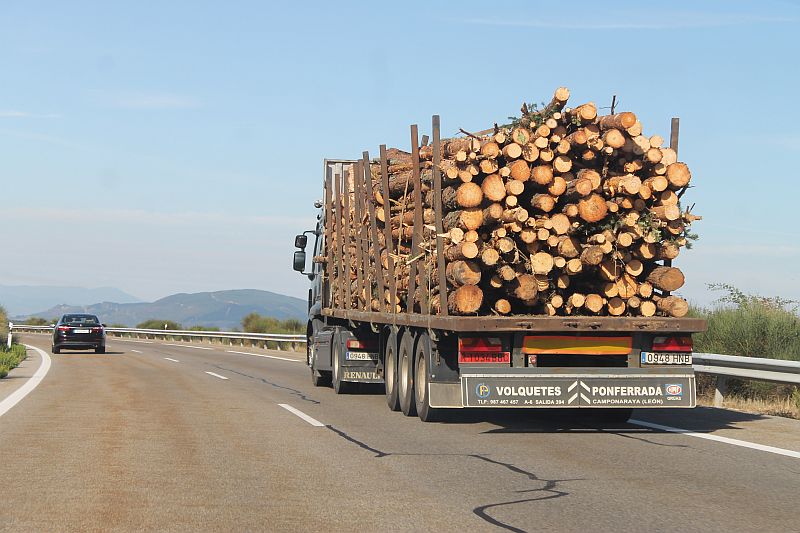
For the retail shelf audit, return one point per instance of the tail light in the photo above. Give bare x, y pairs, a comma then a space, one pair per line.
482, 350
355, 344
672, 344
63, 328
97, 330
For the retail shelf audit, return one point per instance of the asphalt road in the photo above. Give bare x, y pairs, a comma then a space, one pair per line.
150, 437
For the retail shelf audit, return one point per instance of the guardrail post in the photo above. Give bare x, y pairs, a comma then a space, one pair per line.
721, 388
10, 329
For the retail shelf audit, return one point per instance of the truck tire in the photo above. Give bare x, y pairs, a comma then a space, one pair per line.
339, 385
422, 375
318, 378
390, 371
405, 374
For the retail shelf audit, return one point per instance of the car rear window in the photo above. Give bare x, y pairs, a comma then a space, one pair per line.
81, 320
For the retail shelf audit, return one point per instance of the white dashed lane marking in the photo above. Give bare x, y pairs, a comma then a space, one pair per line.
297, 412
171, 359
267, 356
215, 375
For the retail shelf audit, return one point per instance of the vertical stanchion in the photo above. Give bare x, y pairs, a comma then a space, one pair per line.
437, 209
416, 235
387, 228
341, 277
346, 240
357, 205
327, 283
373, 225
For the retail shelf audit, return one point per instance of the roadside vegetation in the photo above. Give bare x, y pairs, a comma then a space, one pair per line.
255, 323
8, 358
751, 326
159, 324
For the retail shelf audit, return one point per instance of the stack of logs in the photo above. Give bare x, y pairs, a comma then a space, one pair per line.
563, 212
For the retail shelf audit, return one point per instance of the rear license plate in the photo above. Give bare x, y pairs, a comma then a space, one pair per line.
80, 331
362, 356
661, 358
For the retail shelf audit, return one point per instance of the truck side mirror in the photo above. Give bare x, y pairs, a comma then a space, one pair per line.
300, 241
299, 259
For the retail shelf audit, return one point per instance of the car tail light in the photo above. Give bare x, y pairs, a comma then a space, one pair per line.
355, 344
97, 330
63, 328
482, 350
672, 344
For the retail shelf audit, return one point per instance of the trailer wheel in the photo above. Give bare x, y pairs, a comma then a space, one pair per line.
405, 374
422, 379
339, 385
390, 371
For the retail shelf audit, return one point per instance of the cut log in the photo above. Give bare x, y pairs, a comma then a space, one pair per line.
645, 289
515, 187
647, 308
521, 136
493, 213
614, 138
512, 151
634, 267
594, 303
490, 150
524, 287
557, 103
592, 208
463, 273
626, 286
542, 263
668, 250
666, 212
465, 300
558, 187
488, 166
544, 202
592, 256
616, 306
673, 306
623, 121
469, 195
462, 250
493, 188
502, 306
542, 174
609, 270
562, 164
573, 267
666, 278
530, 152
569, 247
520, 170
561, 223
678, 175
466, 219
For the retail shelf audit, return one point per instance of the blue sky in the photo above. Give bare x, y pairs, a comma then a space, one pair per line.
164, 147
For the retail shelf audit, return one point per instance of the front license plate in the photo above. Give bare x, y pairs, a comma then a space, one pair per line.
80, 331
362, 356
661, 358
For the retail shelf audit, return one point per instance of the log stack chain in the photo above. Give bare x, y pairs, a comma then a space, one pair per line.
563, 212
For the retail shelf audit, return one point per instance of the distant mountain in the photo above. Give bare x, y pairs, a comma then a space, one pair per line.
222, 309
21, 300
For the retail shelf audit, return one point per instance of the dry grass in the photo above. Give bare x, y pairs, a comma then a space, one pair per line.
786, 407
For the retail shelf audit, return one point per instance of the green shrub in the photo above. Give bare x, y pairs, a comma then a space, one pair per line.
37, 321
11, 359
158, 324
255, 323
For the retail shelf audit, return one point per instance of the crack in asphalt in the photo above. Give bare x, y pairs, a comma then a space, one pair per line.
550, 490
293, 392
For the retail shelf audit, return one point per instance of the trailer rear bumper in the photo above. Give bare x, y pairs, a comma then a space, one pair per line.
608, 388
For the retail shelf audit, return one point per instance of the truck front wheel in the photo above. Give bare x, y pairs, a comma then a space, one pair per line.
405, 374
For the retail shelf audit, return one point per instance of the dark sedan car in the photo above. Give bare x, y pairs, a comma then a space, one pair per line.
79, 332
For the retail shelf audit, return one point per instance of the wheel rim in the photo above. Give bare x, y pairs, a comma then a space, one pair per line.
390, 372
403, 378
419, 382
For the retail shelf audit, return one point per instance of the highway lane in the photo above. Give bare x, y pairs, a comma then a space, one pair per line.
145, 439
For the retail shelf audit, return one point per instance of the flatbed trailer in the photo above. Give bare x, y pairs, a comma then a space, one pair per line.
433, 362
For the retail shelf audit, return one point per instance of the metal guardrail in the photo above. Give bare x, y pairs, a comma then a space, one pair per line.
722, 366
240, 336
733, 366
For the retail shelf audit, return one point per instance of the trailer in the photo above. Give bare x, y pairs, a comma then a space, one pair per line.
432, 362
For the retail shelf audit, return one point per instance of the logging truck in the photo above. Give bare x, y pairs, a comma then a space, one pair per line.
484, 272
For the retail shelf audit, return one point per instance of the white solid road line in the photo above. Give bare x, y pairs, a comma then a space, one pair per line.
115, 339
171, 359
37, 377
267, 356
137, 351
188, 346
717, 438
313, 421
215, 375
